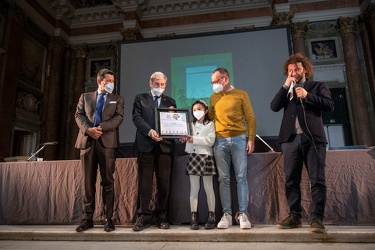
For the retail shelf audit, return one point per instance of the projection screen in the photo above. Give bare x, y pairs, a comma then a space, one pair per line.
253, 58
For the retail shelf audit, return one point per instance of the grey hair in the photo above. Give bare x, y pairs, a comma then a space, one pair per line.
158, 75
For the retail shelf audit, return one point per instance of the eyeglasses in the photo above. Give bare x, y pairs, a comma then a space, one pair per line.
217, 81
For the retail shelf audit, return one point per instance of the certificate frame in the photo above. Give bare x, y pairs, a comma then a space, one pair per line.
173, 123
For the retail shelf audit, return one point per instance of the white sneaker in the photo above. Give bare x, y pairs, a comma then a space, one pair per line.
225, 222
244, 221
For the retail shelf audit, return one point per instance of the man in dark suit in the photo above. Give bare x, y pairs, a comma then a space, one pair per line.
303, 139
153, 153
98, 116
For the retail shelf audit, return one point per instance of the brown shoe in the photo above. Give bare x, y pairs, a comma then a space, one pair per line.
292, 221
316, 226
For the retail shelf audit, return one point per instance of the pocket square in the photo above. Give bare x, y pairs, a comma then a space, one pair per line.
112, 102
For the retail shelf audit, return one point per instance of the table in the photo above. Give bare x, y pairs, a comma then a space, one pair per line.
50, 192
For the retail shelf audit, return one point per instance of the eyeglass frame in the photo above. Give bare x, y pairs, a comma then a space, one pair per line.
217, 81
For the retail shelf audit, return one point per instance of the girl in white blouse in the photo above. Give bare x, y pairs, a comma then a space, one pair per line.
201, 162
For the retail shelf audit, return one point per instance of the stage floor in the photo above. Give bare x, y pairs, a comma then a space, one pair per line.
182, 233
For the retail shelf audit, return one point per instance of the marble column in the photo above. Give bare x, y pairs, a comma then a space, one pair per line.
52, 103
299, 31
361, 119
367, 28
78, 88
65, 93
13, 41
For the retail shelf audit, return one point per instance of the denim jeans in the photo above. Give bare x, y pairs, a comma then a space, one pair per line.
232, 150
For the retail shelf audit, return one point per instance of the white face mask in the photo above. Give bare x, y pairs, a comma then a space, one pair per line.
109, 87
198, 114
217, 87
158, 91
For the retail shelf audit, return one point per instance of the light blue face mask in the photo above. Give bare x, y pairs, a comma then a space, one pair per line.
109, 87
158, 91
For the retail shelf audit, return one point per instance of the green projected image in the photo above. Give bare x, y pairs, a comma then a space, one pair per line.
191, 77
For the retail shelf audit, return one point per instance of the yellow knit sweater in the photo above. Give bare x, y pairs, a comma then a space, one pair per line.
228, 110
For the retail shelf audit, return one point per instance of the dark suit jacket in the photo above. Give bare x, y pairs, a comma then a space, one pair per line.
112, 116
144, 120
318, 99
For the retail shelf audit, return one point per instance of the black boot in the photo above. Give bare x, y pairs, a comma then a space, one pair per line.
194, 221
210, 224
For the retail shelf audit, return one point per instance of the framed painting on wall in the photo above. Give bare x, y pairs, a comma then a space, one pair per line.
324, 49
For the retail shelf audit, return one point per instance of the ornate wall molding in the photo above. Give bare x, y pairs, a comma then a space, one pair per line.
282, 18
58, 43
17, 14
130, 34
28, 102
163, 9
347, 24
81, 50
299, 29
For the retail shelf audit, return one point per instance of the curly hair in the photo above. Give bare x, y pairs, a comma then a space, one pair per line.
299, 58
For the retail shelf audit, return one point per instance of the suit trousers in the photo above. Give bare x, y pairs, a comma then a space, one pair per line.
148, 163
91, 158
298, 150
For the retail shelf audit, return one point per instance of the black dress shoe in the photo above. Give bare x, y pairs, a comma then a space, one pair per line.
141, 224
85, 224
163, 224
109, 226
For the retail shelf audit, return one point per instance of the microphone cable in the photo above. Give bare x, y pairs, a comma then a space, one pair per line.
308, 130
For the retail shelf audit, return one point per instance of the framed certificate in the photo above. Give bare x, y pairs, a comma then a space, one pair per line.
172, 123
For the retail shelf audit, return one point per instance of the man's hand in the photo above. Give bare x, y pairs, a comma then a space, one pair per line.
301, 92
250, 147
95, 132
154, 135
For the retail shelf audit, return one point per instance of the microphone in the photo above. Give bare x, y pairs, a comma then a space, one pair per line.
290, 91
50, 143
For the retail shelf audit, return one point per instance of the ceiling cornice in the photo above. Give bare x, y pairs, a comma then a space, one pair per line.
324, 15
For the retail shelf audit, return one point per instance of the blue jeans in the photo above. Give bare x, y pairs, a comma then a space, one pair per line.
232, 150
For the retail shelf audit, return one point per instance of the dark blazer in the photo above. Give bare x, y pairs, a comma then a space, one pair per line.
112, 116
144, 120
318, 99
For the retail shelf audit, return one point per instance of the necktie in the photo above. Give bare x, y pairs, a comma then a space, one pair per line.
156, 104
99, 109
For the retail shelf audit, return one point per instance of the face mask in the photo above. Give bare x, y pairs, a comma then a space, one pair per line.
158, 91
109, 87
198, 114
217, 87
